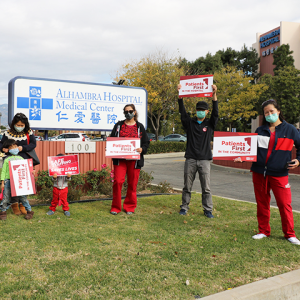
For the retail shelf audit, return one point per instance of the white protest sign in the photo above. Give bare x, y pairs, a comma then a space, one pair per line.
196, 86
21, 177
122, 148
230, 145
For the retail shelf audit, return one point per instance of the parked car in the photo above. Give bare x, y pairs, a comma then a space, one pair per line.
39, 138
174, 138
97, 139
73, 136
52, 138
151, 136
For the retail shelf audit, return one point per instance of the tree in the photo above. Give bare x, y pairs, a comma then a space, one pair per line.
248, 62
284, 87
236, 95
159, 75
282, 57
205, 65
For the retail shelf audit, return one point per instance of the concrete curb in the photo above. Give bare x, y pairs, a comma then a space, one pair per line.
286, 286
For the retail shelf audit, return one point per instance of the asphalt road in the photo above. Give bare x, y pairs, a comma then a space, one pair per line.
225, 182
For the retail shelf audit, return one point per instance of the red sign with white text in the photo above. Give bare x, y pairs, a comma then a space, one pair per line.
21, 177
196, 86
231, 145
122, 147
62, 165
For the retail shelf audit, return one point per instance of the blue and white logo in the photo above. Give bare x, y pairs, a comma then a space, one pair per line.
35, 103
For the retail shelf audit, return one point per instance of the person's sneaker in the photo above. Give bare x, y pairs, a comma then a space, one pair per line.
129, 213
114, 213
3, 215
29, 215
208, 214
259, 236
294, 240
67, 213
182, 212
50, 213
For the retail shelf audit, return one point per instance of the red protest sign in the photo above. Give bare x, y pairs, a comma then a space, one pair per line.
62, 165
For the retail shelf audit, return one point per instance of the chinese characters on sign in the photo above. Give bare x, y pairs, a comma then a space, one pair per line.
68, 105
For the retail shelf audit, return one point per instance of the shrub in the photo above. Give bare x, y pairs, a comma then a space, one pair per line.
166, 147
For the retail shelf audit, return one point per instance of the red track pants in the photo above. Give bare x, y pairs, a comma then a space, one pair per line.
130, 202
59, 195
282, 192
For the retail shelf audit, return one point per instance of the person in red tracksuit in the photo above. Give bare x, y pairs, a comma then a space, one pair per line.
276, 138
60, 193
129, 127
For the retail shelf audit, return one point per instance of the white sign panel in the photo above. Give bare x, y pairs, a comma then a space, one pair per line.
196, 86
69, 105
22, 180
122, 148
230, 145
80, 147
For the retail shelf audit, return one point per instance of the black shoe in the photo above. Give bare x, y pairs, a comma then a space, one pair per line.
182, 212
208, 214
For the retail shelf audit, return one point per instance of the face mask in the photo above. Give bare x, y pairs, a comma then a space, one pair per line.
129, 116
201, 114
272, 118
14, 151
19, 129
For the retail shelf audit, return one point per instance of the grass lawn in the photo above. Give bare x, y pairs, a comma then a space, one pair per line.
148, 255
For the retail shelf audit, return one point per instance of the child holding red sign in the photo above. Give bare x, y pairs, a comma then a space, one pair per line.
60, 193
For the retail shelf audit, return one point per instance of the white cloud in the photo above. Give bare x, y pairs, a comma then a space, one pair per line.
89, 40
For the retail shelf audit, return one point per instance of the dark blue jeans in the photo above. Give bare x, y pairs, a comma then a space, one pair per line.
6, 202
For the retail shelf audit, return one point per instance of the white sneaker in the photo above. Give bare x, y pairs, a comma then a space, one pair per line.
294, 240
259, 236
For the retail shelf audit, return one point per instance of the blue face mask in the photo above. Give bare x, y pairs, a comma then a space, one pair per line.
201, 114
14, 151
272, 118
19, 129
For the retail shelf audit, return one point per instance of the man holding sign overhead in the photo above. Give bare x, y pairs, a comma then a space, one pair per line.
198, 151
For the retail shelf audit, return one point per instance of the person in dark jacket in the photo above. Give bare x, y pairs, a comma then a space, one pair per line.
20, 132
276, 139
130, 127
198, 153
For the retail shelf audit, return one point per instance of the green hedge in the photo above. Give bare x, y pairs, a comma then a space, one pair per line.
166, 147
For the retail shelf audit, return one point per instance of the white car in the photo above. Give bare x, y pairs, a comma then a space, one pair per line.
73, 137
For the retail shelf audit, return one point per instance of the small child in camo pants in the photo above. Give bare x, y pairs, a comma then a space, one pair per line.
60, 193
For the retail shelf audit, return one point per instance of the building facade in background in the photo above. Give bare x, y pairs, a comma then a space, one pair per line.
268, 42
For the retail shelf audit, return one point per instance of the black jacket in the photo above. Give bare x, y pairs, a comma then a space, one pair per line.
144, 142
21, 139
199, 136
286, 135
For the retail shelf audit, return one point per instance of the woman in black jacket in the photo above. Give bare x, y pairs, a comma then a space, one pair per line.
275, 142
129, 127
19, 131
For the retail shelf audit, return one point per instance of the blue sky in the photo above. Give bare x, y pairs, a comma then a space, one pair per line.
90, 40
